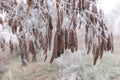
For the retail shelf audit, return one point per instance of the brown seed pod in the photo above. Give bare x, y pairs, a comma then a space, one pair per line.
49, 35
59, 40
63, 41
57, 3
96, 54
1, 21
54, 55
102, 48
45, 46
21, 28
74, 5
40, 38
94, 9
29, 3
50, 23
15, 2
80, 5
11, 46
66, 38
74, 22
86, 40
109, 43
76, 40
71, 40
27, 56
61, 16
88, 47
83, 2
58, 22
112, 49
35, 32
87, 5
42, 3
14, 27
44, 43
49, 32
31, 47
68, 6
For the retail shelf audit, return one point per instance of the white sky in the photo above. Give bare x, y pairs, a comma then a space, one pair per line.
108, 5
111, 9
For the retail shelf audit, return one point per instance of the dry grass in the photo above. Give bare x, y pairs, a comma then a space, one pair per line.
76, 66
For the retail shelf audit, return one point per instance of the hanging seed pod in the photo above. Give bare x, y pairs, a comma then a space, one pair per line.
15, 2
66, 38
29, 3
42, 3
1, 21
71, 40
103, 40
3, 44
59, 40
68, 6
57, 3
102, 48
61, 17
74, 5
58, 23
76, 41
46, 47
49, 35
93, 0
86, 39
94, 9
14, 27
31, 47
88, 46
87, 5
54, 55
49, 32
40, 38
109, 43
86, 35
112, 43
63, 41
11, 46
35, 32
83, 2
50, 23
20, 29
10, 22
44, 43
27, 56
96, 55
74, 22
92, 18
80, 5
